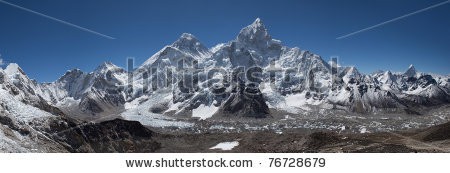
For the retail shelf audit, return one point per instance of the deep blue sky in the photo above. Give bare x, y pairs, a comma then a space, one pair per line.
45, 49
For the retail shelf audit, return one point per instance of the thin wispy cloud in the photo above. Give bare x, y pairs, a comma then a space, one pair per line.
393, 20
58, 20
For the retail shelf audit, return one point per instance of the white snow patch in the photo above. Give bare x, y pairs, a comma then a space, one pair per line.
140, 112
174, 107
295, 100
342, 96
217, 48
204, 112
68, 102
363, 130
226, 146
419, 91
266, 88
134, 104
155, 120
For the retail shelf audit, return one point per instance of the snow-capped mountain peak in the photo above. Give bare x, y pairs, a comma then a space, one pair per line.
189, 44
253, 46
70, 74
186, 40
107, 66
255, 32
188, 36
186, 47
13, 69
257, 21
353, 71
350, 74
386, 78
411, 72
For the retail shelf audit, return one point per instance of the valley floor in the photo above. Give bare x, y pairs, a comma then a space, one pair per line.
434, 139
326, 133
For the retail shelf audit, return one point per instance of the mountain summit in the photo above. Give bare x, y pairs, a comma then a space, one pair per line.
190, 44
411, 72
252, 46
254, 33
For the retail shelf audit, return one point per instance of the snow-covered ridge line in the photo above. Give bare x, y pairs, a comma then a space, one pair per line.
311, 82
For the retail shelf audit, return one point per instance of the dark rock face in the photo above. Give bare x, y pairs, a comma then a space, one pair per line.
159, 108
89, 105
8, 122
109, 136
103, 95
247, 101
2, 78
43, 105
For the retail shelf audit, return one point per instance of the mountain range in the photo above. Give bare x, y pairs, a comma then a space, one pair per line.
214, 84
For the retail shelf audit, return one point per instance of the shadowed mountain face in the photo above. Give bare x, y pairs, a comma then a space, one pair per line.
109, 136
247, 101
